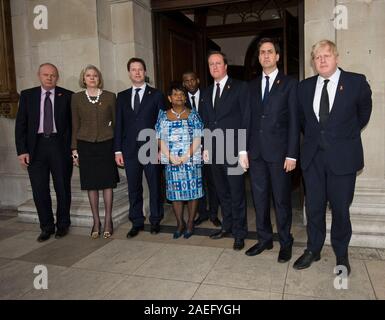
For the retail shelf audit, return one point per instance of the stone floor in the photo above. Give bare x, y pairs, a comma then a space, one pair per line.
159, 267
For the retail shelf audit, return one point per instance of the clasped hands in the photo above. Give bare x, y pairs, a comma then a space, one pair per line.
176, 160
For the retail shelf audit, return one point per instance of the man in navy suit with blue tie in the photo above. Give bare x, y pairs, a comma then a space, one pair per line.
137, 109
335, 106
273, 149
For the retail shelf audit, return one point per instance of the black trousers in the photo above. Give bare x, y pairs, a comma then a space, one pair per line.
49, 159
134, 173
231, 193
270, 178
322, 185
210, 196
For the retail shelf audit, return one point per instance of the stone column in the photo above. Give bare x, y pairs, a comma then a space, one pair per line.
361, 50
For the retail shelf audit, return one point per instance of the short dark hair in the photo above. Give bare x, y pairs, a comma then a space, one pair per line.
190, 72
217, 52
271, 40
132, 60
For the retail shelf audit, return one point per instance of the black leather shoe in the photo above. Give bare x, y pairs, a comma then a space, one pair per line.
155, 228
219, 234
239, 244
344, 261
134, 231
44, 235
216, 222
285, 254
259, 248
306, 260
60, 233
200, 220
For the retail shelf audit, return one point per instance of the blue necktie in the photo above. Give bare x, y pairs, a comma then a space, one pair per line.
266, 92
136, 100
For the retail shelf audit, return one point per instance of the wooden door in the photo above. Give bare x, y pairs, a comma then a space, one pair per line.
179, 47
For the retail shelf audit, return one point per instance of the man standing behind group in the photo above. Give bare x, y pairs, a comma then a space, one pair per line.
273, 149
191, 83
137, 108
43, 143
226, 107
335, 106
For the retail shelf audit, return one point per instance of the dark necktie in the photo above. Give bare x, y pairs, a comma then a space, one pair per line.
194, 106
217, 95
324, 104
48, 114
137, 100
266, 92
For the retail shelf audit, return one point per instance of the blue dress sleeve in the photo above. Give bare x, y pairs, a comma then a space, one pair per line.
159, 126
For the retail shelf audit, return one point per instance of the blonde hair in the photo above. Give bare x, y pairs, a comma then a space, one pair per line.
82, 83
322, 44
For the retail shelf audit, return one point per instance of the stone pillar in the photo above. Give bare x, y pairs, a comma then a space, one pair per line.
361, 50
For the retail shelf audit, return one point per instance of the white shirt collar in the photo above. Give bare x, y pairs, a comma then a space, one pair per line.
272, 75
43, 91
195, 94
143, 87
222, 82
334, 78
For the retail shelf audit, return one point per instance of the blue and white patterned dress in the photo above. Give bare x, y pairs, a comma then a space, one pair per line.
183, 182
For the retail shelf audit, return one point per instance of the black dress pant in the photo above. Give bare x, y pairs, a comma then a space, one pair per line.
231, 193
210, 196
270, 178
322, 186
134, 173
49, 158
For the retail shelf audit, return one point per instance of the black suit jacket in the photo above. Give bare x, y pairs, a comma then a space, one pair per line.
342, 133
274, 133
129, 124
28, 118
232, 112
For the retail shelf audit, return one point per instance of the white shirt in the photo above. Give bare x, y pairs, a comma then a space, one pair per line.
196, 99
272, 77
42, 99
221, 86
141, 93
332, 89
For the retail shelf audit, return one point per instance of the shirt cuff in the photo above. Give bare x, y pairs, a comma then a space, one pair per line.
118, 152
291, 159
242, 152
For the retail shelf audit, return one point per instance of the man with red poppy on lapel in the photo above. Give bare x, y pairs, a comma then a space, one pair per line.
273, 149
43, 143
334, 106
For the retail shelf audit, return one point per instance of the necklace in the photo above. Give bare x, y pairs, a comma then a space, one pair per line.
178, 114
93, 101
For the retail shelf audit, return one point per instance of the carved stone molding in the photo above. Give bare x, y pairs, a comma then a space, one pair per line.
8, 93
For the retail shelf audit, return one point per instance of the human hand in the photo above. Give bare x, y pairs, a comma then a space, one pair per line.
206, 157
119, 159
289, 165
244, 161
24, 160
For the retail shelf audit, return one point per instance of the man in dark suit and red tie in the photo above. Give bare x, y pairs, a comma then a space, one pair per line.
43, 143
191, 83
273, 149
335, 106
137, 109
226, 109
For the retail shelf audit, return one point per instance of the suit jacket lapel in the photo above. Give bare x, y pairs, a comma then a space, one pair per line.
338, 99
225, 92
313, 86
57, 107
36, 109
147, 94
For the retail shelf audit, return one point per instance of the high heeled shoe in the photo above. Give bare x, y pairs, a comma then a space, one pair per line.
177, 234
108, 234
96, 234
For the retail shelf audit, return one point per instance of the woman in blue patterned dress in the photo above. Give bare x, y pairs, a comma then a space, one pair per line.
179, 132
